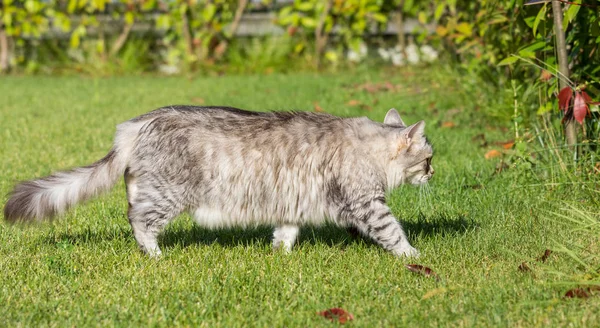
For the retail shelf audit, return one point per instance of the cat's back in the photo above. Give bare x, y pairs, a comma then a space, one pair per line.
212, 123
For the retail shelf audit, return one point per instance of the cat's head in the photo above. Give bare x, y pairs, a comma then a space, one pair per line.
410, 153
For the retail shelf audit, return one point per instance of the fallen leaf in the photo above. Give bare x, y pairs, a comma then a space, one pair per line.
318, 108
492, 153
434, 292
578, 293
365, 107
198, 100
507, 144
353, 102
544, 257
448, 124
416, 268
337, 314
524, 267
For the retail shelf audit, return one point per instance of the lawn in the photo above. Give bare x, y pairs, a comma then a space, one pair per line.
473, 226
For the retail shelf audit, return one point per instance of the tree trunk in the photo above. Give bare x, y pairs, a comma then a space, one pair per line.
4, 57
399, 21
222, 47
320, 35
563, 69
120, 41
187, 34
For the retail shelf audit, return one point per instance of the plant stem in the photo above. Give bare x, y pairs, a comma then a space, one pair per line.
120, 41
320, 35
563, 67
3, 50
222, 47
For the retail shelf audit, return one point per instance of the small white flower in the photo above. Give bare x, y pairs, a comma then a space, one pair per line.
412, 54
354, 56
398, 59
384, 53
428, 53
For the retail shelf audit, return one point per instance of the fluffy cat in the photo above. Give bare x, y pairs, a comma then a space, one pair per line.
231, 167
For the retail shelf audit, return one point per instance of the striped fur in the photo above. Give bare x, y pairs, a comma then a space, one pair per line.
230, 167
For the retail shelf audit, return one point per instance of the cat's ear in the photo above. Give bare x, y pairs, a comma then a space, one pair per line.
393, 117
415, 131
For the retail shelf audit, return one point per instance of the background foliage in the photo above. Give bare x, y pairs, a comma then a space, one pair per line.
489, 41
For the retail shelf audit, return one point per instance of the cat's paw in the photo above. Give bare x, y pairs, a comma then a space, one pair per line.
407, 251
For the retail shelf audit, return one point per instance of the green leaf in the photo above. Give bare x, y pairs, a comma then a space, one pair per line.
304, 6
72, 6
508, 61
571, 13
465, 28
380, 17
299, 47
422, 17
534, 46
544, 108
285, 11
75, 39
332, 56
541, 15
527, 54
439, 10
309, 22
129, 18
209, 12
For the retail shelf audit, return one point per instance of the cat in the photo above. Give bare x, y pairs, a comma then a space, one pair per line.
230, 167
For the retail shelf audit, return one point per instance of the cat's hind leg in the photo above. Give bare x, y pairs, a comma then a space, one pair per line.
149, 212
285, 236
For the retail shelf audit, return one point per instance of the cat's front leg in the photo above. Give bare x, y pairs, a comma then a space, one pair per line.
377, 222
285, 236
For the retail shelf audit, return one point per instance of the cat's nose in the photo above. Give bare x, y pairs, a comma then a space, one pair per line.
431, 170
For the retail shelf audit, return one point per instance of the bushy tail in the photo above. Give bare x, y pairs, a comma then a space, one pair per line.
43, 198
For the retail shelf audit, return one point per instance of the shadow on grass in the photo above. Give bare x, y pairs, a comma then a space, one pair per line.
329, 234
185, 235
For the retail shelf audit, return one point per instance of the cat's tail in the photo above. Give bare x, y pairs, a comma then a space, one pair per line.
43, 198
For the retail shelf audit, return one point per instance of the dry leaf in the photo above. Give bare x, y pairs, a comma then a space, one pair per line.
524, 267
577, 293
318, 108
545, 75
416, 268
582, 292
544, 257
492, 153
198, 100
448, 124
508, 144
337, 314
434, 292
353, 102
365, 107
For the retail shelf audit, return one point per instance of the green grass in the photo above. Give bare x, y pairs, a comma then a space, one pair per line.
473, 227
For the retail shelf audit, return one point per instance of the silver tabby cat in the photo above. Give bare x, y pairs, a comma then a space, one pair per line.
229, 167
